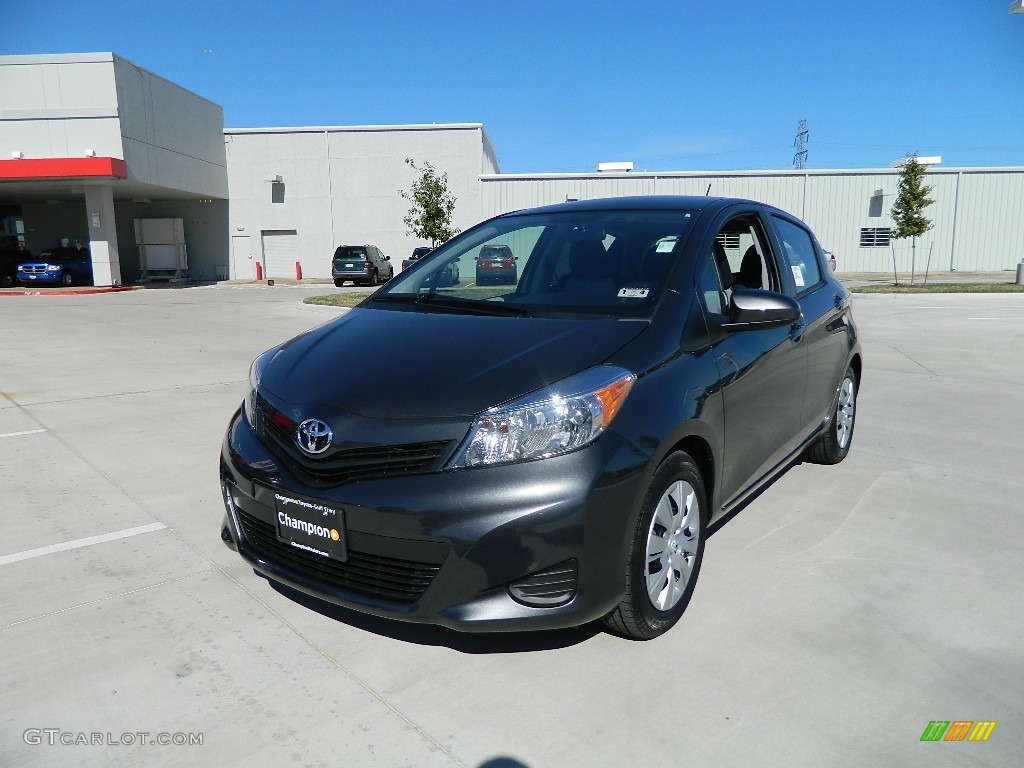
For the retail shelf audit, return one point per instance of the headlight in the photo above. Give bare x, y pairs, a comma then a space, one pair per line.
255, 374
552, 421
53, 267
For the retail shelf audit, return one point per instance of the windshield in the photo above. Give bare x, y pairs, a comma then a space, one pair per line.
578, 262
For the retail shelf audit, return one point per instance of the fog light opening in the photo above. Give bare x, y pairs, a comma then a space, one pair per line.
547, 588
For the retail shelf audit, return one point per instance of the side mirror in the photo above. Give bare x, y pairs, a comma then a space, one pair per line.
750, 308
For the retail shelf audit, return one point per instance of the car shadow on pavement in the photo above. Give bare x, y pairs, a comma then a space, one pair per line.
716, 526
428, 634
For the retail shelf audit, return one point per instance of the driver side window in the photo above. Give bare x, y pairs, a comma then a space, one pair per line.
750, 260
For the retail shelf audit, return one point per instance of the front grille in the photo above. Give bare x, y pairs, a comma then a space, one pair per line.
347, 465
34, 269
403, 581
552, 586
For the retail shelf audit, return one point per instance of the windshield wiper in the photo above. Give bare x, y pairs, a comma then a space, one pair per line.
397, 298
467, 306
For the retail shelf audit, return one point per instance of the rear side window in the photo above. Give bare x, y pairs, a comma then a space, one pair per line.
800, 253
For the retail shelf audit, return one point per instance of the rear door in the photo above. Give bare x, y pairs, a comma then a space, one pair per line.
351, 260
823, 301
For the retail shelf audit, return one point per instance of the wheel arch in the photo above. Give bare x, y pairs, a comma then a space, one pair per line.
700, 451
855, 363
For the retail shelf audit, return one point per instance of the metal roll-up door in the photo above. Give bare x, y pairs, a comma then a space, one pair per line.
280, 252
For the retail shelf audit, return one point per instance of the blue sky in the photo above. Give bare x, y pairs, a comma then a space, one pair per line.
561, 86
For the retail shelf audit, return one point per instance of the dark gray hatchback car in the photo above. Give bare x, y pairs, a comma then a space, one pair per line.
559, 458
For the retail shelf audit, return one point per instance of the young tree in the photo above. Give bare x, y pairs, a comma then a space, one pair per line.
908, 210
430, 217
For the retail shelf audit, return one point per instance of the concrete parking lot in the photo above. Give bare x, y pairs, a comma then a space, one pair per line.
836, 616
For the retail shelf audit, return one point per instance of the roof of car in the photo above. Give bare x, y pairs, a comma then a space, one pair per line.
641, 203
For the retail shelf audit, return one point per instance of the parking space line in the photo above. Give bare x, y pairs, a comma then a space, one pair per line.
39, 552
23, 432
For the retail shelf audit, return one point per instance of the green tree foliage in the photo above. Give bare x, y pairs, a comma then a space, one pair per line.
911, 200
430, 217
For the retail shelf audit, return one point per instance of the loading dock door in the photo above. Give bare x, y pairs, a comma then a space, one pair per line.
280, 252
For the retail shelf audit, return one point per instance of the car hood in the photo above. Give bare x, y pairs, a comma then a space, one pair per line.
384, 363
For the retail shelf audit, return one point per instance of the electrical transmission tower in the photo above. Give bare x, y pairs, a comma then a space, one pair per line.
800, 142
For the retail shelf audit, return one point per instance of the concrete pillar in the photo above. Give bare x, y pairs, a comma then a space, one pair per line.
99, 213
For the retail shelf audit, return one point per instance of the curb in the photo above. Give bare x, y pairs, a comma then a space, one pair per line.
72, 292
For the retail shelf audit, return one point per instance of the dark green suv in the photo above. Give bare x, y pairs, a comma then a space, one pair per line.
362, 264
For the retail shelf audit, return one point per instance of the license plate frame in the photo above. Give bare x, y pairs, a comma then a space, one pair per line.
311, 526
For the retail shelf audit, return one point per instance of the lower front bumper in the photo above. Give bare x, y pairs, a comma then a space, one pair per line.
453, 548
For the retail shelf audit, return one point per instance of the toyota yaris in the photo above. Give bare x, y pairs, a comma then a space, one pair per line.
559, 457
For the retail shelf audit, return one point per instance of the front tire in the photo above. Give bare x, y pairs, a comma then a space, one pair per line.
666, 552
66, 280
833, 446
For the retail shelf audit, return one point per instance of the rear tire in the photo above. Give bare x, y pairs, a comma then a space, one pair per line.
338, 283
666, 552
833, 446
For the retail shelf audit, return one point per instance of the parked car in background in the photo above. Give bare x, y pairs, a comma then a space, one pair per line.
362, 264
64, 266
446, 279
495, 264
417, 254
562, 458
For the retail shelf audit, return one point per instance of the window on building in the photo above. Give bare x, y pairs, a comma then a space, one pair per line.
729, 240
874, 237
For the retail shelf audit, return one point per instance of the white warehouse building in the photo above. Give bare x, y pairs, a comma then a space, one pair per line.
977, 214
91, 143
299, 193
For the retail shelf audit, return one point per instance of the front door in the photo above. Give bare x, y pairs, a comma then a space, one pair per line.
763, 372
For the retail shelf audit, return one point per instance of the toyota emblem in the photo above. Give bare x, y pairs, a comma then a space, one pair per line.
314, 436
